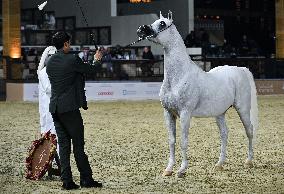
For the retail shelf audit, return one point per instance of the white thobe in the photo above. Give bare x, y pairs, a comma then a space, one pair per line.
44, 94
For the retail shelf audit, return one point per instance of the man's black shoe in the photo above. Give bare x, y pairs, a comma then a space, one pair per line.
53, 171
91, 183
70, 185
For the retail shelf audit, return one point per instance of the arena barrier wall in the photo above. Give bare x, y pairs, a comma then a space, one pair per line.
14, 91
106, 91
269, 87
124, 91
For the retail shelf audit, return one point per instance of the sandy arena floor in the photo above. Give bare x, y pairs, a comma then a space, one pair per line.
128, 149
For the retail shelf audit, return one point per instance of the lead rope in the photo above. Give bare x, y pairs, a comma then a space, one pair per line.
147, 37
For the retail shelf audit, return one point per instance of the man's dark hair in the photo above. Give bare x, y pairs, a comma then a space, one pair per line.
59, 38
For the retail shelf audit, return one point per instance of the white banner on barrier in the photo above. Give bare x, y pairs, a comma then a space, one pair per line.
30, 92
123, 91
108, 91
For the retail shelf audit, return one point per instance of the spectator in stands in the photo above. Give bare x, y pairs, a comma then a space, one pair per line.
226, 49
234, 52
146, 67
117, 52
23, 54
270, 45
254, 48
204, 36
107, 59
51, 21
204, 41
190, 40
244, 47
85, 54
31, 52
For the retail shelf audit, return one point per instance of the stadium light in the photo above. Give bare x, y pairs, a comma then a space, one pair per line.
15, 48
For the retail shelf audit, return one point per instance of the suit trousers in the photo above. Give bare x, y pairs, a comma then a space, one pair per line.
69, 126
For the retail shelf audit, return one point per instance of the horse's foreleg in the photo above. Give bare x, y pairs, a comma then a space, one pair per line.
171, 125
185, 122
221, 122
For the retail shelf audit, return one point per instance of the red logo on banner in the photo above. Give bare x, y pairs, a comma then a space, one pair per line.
105, 93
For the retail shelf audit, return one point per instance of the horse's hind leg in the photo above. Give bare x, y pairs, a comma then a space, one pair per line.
221, 122
171, 125
244, 114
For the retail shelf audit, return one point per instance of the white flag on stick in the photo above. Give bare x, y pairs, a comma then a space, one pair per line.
41, 6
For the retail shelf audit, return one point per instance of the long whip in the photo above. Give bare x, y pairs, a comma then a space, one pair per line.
41, 6
85, 19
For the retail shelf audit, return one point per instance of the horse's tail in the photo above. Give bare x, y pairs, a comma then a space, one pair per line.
253, 105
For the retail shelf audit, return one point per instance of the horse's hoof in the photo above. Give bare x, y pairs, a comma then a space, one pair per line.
180, 174
218, 167
167, 173
248, 164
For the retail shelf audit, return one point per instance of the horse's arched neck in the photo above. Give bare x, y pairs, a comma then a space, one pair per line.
177, 63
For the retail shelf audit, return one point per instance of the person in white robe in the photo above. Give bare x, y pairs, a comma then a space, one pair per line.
44, 94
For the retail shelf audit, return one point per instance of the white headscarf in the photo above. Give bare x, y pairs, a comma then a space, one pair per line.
48, 51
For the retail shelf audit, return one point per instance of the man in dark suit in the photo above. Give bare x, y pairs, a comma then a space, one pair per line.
67, 96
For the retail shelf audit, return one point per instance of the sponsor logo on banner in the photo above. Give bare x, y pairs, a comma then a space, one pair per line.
265, 88
108, 93
270, 86
129, 92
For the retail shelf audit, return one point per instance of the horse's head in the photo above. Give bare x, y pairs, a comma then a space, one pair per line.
157, 30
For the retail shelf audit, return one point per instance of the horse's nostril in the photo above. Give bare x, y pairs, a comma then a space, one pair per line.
141, 32
144, 31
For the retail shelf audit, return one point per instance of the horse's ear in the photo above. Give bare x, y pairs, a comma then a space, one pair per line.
161, 15
170, 15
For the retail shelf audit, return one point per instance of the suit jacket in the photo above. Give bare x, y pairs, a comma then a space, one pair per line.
65, 75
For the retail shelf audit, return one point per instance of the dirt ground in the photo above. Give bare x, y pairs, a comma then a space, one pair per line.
128, 149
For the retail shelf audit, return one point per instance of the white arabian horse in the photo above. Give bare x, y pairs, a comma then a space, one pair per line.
187, 91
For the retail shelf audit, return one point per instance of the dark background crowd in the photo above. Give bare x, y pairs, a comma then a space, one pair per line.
244, 46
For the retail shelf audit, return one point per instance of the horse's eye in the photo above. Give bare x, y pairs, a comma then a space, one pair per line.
162, 24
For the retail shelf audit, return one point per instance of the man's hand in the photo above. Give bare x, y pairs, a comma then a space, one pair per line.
98, 56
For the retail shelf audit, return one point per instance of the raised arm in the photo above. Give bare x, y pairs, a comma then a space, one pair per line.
82, 67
